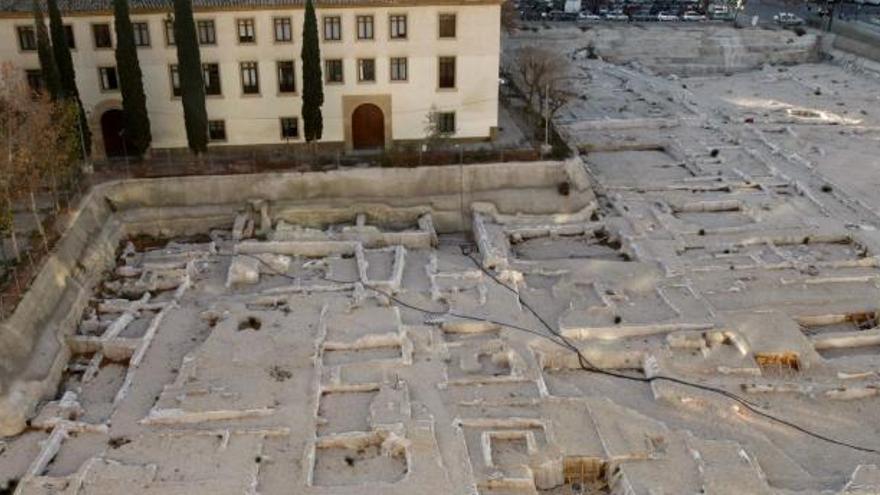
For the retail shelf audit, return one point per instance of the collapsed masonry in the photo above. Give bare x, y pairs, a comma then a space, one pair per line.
273, 345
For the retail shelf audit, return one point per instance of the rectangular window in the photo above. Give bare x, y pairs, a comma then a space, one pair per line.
447, 25
365, 27
247, 32
27, 38
141, 33
212, 79
250, 79
447, 72
366, 70
103, 39
397, 25
169, 33
207, 33
108, 78
286, 77
332, 28
333, 71
283, 30
446, 122
175, 80
398, 69
289, 128
217, 130
34, 80
68, 34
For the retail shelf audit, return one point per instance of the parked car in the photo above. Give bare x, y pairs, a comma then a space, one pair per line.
644, 17
583, 16
667, 17
787, 19
720, 13
693, 17
617, 16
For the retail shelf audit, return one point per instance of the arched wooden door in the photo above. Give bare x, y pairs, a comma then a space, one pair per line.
112, 126
367, 127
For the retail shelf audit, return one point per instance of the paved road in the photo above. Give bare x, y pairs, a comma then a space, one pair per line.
766, 9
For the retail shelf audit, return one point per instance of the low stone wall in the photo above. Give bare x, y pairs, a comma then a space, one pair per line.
32, 350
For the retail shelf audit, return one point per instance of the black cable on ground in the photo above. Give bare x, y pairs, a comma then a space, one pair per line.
584, 363
589, 367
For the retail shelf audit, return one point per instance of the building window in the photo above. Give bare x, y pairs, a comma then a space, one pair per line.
211, 74
365, 27
283, 30
27, 38
397, 24
141, 33
398, 69
250, 79
247, 32
34, 80
102, 35
447, 25
286, 77
289, 128
333, 71
366, 70
446, 122
68, 34
169, 33
447, 72
332, 28
217, 130
108, 78
207, 33
175, 80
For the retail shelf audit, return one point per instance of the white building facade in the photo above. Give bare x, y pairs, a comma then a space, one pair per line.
387, 66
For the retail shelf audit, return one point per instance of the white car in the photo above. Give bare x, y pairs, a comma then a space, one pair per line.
666, 17
787, 19
693, 16
616, 16
589, 17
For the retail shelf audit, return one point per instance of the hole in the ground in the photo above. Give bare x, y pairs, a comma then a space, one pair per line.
581, 475
778, 362
250, 323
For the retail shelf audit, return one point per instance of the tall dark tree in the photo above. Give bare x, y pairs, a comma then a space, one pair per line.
49, 70
313, 88
66, 73
131, 84
192, 84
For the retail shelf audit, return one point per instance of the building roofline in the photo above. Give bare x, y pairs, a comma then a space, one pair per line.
244, 7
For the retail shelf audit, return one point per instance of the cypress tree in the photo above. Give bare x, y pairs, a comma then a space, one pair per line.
66, 73
44, 50
192, 84
313, 89
131, 85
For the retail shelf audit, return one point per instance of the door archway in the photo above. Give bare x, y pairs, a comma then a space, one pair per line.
367, 127
112, 127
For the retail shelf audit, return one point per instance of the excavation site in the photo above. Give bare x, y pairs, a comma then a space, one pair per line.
487, 328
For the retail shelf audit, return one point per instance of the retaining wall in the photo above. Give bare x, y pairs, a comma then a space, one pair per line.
857, 38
